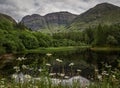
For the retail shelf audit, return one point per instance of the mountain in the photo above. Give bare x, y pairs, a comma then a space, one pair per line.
103, 13
34, 22
50, 22
6, 22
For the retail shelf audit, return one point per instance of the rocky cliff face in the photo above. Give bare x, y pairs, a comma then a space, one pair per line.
36, 22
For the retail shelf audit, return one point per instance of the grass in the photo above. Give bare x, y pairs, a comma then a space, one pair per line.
105, 49
56, 49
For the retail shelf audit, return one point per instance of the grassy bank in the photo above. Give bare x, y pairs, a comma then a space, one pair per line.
56, 49
111, 49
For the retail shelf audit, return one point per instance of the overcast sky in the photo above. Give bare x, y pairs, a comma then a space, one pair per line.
19, 8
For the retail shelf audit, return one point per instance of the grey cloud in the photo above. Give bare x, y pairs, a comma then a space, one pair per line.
19, 8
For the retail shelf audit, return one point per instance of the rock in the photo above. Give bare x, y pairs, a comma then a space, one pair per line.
36, 22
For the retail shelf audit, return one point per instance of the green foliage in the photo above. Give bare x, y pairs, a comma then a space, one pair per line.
29, 40
43, 39
20, 26
19, 38
111, 41
105, 14
6, 22
103, 35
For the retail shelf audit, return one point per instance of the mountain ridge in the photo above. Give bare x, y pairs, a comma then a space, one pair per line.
36, 21
6, 22
103, 13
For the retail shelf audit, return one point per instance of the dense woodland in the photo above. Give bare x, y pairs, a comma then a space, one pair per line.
18, 38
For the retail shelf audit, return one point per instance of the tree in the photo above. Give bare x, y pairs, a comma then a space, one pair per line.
111, 41
29, 40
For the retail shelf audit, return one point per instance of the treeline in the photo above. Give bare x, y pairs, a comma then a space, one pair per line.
103, 35
19, 38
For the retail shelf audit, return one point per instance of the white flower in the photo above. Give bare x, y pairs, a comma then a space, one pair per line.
108, 66
52, 74
27, 76
66, 77
78, 70
99, 77
71, 64
23, 58
35, 87
19, 59
96, 70
48, 54
47, 64
16, 68
61, 74
58, 60
104, 72
113, 76
14, 76
24, 66
40, 70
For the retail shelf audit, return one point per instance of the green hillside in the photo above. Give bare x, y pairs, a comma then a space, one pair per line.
105, 14
6, 22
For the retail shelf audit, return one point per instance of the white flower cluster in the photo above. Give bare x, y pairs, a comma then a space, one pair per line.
71, 64
17, 69
48, 54
59, 60
21, 58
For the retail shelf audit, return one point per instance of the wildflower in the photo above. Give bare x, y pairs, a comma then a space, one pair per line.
47, 64
104, 73
3, 79
108, 66
62, 75
48, 54
14, 76
113, 76
35, 87
27, 76
52, 74
66, 77
99, 77
24, 66
19, 59
78, 70
16, 68
40, 70
107, 74
71, 64
58, 60
2, 82
96, 70
23, 58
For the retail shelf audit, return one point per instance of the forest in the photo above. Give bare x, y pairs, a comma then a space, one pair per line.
19, 38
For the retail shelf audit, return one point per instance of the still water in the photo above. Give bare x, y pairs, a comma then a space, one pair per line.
80, 62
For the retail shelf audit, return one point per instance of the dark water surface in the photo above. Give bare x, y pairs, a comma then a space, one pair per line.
84, 60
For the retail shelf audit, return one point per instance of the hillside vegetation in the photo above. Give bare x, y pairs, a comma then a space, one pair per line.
105, 13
